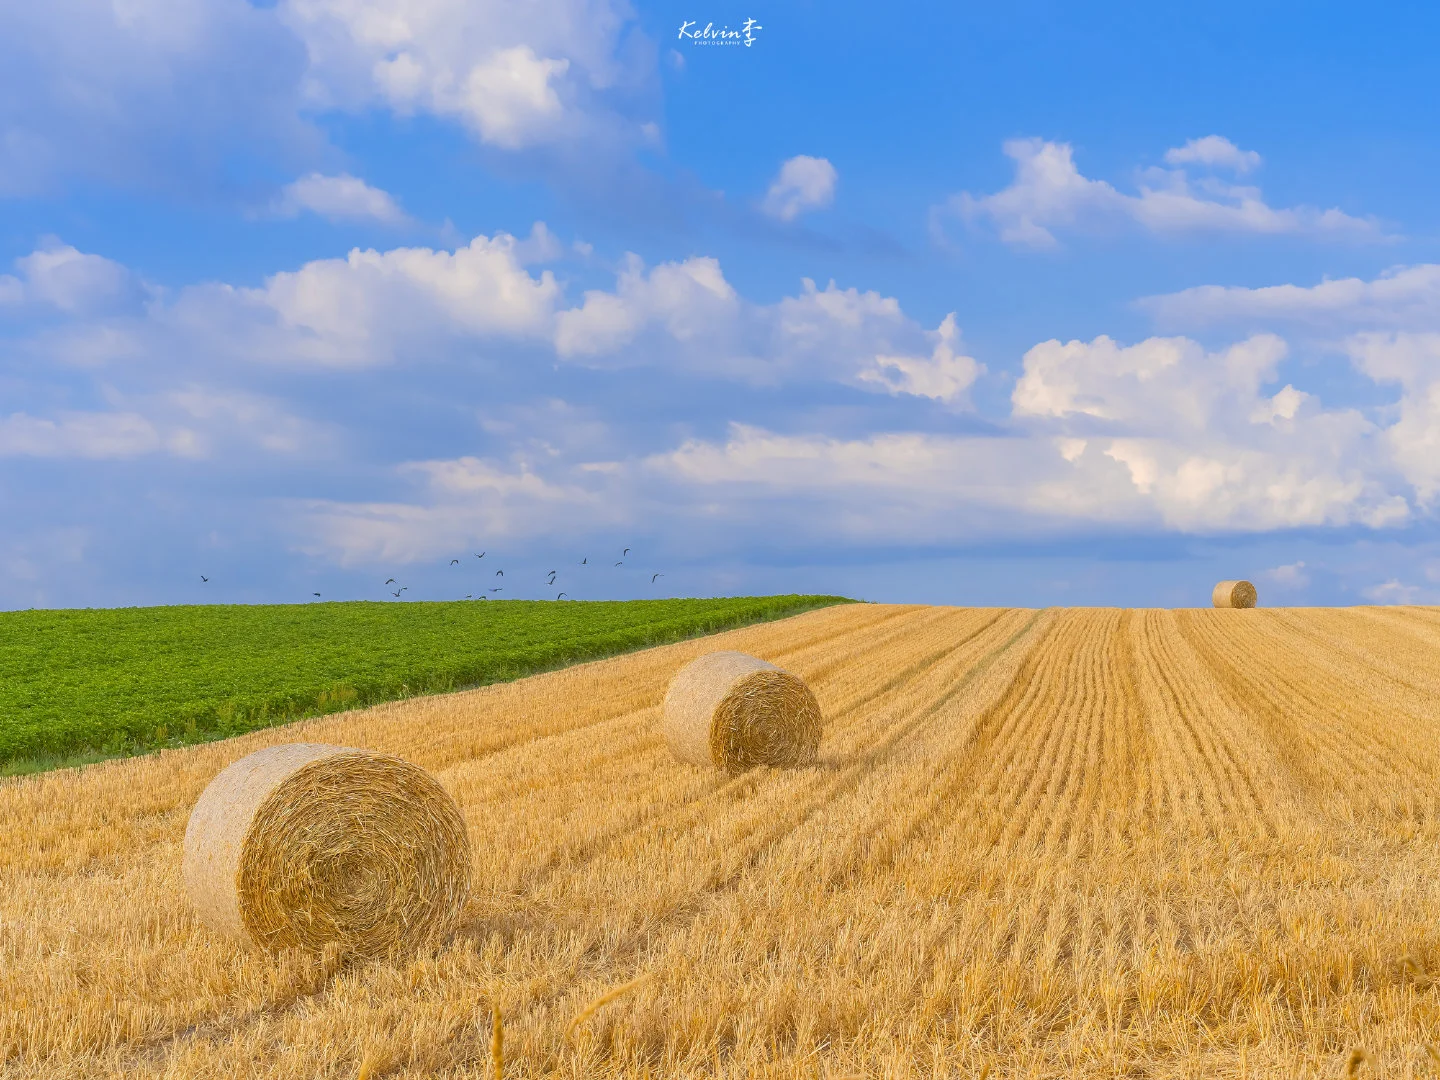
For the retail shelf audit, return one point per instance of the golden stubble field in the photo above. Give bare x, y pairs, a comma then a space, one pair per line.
1058, 843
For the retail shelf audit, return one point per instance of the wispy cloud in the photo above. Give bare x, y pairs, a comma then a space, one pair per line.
338, 198
1049, 195
1402, 297
804, 183
1214, 151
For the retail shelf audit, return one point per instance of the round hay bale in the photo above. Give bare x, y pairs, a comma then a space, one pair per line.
734, 711
306, 845
1234, 594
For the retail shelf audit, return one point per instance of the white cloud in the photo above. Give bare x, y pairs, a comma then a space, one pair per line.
1215, 151
150, 93
1392, 592
1050, 193
508, 97
1413, 361
1402, 297
1400, 345
372, 307
1155, 384
1163, 434
461, 500
1200, 441
804, 183
94, 435
690, 299
687, 316
58, 276
519, 75
1184, 458
541, 246
944, 375
247, 418
1289, 576
165, 94
338, 198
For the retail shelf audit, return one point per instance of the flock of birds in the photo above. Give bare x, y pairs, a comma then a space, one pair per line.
550, 576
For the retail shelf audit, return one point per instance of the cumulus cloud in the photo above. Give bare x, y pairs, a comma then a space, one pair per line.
59, 277
1162, 434
518, 75
1159, 433
167, 94
1202, 441
371, 307
338, 198
944, 375
1049, 193
804, 183
1214, 151
689, 299
1155, 383
686, 315
1412, 361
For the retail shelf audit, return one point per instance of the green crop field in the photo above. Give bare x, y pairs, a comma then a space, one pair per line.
81, 685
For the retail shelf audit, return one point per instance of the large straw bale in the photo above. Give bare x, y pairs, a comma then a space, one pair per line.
305, 845
735, 711
1234, 594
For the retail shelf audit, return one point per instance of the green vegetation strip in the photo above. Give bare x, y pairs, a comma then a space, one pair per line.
84, 685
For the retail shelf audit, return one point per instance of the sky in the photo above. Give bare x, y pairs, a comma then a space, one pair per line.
1003, 305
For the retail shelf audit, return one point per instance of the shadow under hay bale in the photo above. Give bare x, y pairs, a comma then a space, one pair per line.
306, 845
734, 711
1234, 594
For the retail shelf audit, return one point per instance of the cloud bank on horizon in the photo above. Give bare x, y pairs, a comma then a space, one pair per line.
274, 336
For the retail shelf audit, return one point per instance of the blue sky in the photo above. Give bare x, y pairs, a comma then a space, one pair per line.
1029, 305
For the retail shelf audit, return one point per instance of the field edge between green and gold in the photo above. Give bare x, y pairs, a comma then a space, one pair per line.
85, 685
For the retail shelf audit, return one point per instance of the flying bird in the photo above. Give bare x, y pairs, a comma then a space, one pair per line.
390, 581
469, 597
499, 573
314, 594
454, 562
654, 576
481, 555
204, 578
625, 552
619, 564
562, 594
500, 588
397, 594
584, 560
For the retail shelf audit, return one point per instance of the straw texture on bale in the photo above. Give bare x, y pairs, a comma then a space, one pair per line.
1234, 594
734, 711
306, 845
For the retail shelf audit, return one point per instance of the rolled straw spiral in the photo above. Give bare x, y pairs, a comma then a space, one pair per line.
734, 711
306, 845
1234, 594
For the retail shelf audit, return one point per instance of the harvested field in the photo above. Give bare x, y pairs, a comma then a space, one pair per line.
1059, 843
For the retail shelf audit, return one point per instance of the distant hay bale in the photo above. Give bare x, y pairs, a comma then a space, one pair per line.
734, 711
306, 845
1234, 594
